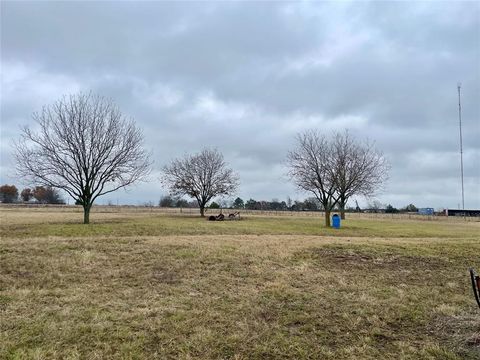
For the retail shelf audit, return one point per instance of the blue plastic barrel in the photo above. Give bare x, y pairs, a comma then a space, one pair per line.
336, 221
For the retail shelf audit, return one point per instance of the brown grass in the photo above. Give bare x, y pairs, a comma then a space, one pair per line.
229, 295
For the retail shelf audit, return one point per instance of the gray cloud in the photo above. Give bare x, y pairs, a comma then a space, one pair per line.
246, 77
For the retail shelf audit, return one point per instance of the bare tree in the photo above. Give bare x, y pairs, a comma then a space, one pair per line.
375, 206
84, 146
201, 176
359, 168
335, 168
311, 167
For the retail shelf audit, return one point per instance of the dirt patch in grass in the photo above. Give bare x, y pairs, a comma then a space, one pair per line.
166, 275
353, 258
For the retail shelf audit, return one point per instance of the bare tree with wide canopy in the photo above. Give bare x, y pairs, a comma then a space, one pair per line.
335, 168
360, 169
312, 169
83, 146
201, 176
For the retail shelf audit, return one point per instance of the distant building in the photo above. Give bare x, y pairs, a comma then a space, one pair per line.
458, 212
426, 211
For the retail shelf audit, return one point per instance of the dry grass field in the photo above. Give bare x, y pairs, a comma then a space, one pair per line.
143, 285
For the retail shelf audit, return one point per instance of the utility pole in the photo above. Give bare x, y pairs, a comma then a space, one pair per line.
459, 85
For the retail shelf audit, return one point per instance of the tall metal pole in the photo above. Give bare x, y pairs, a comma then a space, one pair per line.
459, 85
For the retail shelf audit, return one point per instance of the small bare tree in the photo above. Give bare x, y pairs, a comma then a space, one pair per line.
201, 176
85, 147
360, 169
311, 167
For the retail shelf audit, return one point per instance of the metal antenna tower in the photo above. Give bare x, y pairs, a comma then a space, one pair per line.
459, 85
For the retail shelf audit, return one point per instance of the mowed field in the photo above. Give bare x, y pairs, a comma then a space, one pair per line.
143, 285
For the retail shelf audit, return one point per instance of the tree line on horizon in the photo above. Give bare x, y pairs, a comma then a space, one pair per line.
9, 194
86, 147
308, 204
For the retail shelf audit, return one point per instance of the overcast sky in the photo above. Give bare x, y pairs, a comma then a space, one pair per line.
245, 77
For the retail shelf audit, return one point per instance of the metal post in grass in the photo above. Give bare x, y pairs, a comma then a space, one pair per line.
475, 285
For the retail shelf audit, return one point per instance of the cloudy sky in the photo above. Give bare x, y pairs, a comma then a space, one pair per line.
245, 77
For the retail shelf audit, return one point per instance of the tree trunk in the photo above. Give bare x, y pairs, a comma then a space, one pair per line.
202, 211
327, 218
86, 213
342, 210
